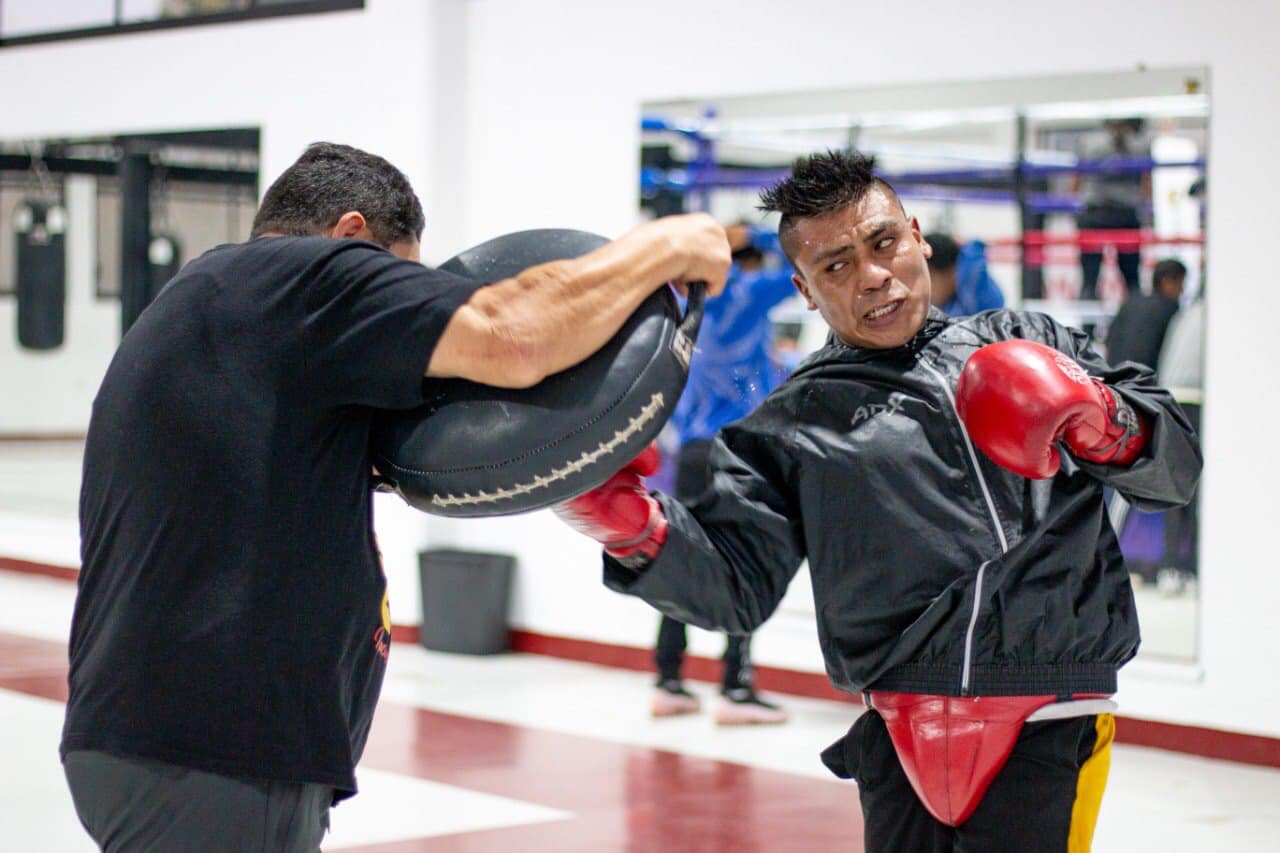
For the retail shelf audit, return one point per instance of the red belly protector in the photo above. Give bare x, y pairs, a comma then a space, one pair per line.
951, 747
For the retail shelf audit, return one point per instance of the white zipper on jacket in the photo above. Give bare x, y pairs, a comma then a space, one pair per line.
995, 519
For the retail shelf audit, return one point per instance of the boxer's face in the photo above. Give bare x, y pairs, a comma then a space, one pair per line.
864, 269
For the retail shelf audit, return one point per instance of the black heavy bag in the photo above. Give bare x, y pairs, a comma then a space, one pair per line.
40, 229
475, 450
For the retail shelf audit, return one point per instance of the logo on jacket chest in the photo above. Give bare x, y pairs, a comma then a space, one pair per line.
867, 410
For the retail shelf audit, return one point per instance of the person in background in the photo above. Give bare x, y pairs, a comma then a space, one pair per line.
731, 373
1112, 199
1137, 333
962, 285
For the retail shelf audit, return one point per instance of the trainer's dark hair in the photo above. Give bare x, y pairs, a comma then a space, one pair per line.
820, 184
945, 251
1168, 268
329, 180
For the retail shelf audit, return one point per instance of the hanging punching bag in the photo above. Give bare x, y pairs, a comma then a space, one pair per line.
164, 259
41, 254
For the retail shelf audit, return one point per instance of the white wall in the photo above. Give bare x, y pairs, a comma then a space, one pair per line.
508, 114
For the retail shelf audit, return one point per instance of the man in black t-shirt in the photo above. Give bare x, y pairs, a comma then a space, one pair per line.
231, 627
1138, 329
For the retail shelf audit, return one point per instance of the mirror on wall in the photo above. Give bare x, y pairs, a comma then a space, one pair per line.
1080, 196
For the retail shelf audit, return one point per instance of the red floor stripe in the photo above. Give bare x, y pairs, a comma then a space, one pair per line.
1210, 743
33, 666
621, 797
1175, 737
768, 678
27, 567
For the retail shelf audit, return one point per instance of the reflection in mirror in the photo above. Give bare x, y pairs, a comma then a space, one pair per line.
1079, 196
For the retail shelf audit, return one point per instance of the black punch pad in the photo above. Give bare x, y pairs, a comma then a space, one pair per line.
475, 450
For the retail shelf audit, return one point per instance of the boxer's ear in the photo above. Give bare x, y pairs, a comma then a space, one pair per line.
804, 291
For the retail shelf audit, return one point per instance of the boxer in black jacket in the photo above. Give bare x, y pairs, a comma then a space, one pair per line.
944, 479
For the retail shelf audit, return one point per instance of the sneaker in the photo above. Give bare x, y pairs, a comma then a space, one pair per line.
742, 707
670, 699
1171, 582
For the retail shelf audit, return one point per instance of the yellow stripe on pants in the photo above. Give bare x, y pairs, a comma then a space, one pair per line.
1089, 787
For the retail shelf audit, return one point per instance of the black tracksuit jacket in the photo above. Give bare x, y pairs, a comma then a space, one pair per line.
934, 570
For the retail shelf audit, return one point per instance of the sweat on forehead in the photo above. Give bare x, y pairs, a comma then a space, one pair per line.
787, 227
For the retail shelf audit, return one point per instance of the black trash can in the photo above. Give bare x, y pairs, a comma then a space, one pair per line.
465, 596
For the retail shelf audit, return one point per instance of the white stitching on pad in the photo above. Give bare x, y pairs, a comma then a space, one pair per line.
634, 425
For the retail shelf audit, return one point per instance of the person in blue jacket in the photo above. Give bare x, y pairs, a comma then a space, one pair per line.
733, 372
962, 285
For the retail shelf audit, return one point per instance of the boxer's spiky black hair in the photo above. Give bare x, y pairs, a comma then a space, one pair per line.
820, 184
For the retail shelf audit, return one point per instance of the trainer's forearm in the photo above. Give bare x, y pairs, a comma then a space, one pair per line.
555, 315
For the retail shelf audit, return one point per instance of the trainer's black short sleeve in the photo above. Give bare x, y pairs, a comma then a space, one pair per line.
232, 612
363, 309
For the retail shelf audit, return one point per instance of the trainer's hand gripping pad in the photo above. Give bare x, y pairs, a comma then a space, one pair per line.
475, 450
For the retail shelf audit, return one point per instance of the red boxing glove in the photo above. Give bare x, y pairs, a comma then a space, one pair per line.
621, 514
1019, 398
